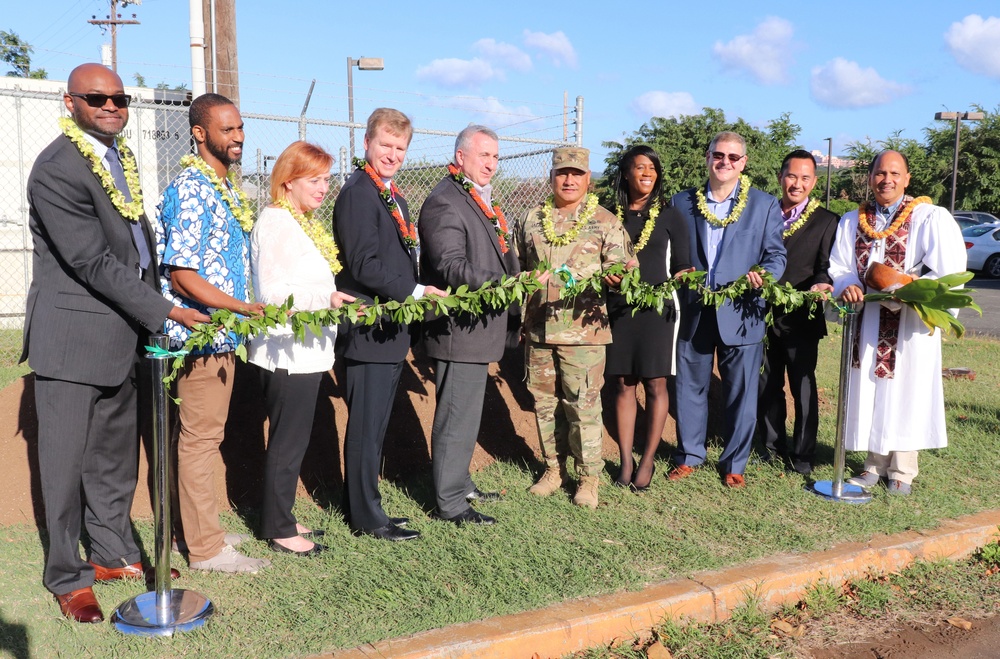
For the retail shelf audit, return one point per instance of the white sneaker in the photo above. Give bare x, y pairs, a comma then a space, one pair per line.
230, 560
231, 539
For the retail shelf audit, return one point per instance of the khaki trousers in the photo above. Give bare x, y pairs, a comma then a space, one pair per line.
205, 387
898, 465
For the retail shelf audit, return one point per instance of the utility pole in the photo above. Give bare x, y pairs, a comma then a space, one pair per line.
113, 21
221, 64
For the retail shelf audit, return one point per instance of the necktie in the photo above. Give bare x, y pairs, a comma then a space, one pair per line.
118, 174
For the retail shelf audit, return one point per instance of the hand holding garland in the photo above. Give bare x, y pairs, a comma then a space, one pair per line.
929, 297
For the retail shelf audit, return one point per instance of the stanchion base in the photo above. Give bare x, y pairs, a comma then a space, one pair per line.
186, 610
849, 493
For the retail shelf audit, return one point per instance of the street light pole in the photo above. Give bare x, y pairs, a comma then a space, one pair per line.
829, 162
363, 64
957, 117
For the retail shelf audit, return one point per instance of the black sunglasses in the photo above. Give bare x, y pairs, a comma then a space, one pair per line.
100, 100
719, 155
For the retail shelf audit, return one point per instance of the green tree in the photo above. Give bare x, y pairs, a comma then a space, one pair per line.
681, 144
17, 54
978, 161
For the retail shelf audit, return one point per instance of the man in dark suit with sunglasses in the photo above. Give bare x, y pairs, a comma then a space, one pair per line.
93, 300
733, 229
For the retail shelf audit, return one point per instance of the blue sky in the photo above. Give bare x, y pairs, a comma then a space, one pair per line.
843, 70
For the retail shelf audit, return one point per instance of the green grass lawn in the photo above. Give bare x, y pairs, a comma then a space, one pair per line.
542, 550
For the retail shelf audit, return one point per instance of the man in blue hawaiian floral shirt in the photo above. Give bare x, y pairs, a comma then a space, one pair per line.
203, 243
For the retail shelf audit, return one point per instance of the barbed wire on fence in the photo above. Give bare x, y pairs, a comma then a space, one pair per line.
158, 134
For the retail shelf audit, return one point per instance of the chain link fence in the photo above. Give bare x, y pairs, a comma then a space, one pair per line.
158, 134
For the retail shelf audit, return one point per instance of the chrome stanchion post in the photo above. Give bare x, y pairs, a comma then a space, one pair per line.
837, 489
164, 610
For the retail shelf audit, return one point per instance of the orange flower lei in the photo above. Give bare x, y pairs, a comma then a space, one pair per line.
409, 231
496, 215
864, 223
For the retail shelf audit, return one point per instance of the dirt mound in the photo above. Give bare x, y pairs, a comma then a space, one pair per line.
507, 433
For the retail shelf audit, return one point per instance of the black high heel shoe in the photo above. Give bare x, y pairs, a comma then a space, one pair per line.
622, 482
642, 488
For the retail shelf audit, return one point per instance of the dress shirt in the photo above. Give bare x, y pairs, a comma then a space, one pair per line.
792, 215
721, 210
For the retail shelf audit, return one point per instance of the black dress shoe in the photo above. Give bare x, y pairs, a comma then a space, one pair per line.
468, 516
399, 521
282, 549
390, 532
483, 497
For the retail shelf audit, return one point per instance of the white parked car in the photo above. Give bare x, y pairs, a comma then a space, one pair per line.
982, 243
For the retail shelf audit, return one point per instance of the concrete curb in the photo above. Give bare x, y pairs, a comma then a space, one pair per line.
704, 597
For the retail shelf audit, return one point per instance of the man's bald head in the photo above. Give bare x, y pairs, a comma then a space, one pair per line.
106, 120
85, 77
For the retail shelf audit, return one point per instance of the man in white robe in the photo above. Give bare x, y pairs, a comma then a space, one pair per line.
897, 402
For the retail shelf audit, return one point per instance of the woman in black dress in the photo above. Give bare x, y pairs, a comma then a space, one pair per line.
643, 344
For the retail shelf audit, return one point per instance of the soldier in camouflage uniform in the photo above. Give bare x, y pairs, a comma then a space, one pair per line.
566, 338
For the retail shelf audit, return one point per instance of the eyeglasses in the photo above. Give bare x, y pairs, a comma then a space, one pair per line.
718, 156
100, 100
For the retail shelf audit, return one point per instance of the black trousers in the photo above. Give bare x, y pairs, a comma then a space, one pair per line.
371, 389
88, 459
797, 355
290, 399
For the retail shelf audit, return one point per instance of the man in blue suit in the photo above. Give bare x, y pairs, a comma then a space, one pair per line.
733, 228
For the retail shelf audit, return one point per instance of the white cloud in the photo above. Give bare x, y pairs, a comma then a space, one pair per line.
491, 108
503, 54
764, 53
975, 44
555, 45
664, 104
844, 84
457, 73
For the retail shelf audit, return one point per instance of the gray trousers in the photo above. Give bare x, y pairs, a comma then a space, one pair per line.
457, 415
88, 459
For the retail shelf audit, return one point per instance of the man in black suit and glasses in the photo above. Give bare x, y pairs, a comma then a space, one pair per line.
93, 300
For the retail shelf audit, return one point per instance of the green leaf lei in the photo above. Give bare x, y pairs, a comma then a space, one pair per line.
584, 213
647, 227
929, 298
734, 214
317, 233
799, 223
230, 194
130, 210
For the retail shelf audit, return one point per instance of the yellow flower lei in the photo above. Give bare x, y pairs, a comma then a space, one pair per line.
647, 228
864, 223
806, 212
317, 233
583, 216
242, 212
734, 214
130, 210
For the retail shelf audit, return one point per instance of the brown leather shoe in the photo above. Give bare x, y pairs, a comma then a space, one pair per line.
679, 472
734, 481
134, 571
80, 605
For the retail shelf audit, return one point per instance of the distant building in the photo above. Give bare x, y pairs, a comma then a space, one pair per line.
835, 162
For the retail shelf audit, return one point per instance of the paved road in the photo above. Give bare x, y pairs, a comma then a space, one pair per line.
987, 296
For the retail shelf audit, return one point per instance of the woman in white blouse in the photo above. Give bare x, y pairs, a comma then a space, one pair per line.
292, 254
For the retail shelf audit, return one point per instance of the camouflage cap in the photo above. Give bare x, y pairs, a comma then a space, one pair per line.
575, 157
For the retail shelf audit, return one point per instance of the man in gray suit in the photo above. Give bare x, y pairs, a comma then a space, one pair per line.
464, 240
94, 298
